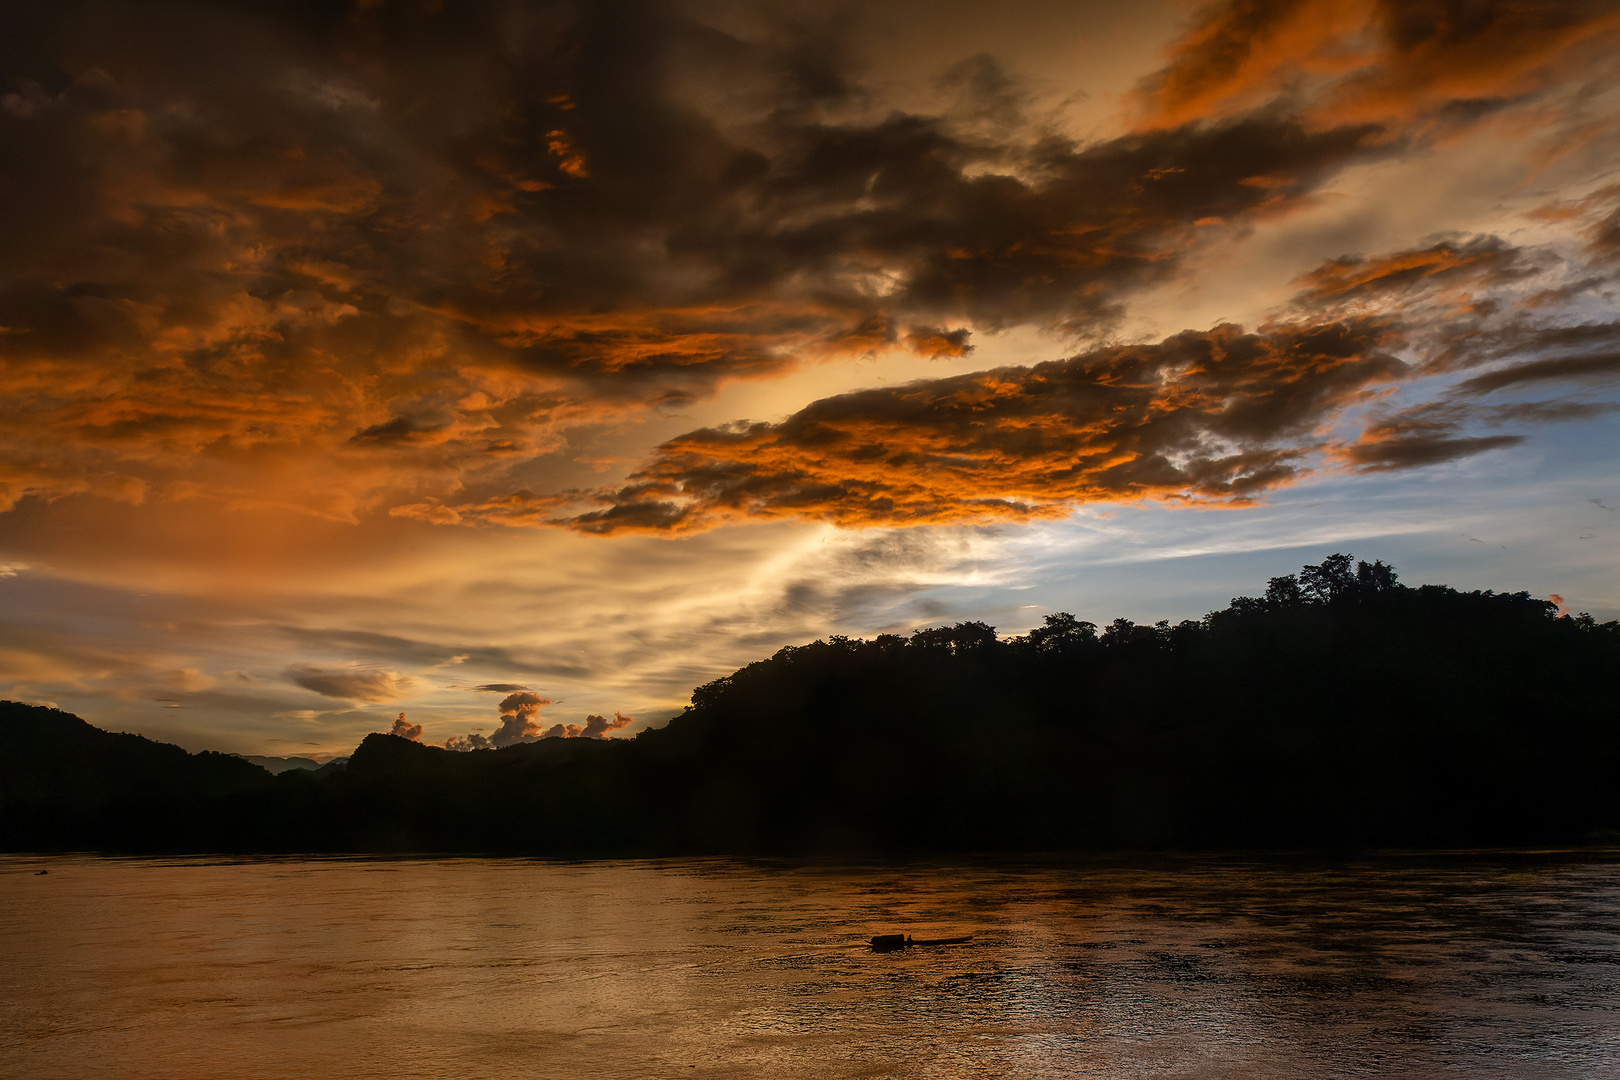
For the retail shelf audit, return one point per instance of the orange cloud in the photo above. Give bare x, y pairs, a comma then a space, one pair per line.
250, 268
405, 730
1399, 64
1219, 417
520, 714
595, 727
259, 270
599, 727
1406, 444
933, 341
1460, 262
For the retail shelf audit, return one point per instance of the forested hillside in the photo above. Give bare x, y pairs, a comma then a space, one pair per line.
1340, 709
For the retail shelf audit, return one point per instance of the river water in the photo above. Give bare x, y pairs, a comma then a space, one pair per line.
1467, 966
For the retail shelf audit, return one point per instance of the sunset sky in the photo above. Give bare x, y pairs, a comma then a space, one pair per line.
396, 356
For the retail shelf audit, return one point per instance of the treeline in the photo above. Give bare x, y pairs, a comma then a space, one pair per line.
66, 784
1339, 709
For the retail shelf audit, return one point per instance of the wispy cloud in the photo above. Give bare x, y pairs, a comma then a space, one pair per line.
352, 683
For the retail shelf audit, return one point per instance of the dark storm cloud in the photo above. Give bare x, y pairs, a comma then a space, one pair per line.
1439, 431
1396, 446
392, 250
1482, 305
415, 241
1507, 333
1472, 303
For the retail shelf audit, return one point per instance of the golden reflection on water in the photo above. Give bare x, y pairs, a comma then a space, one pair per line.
1189, 968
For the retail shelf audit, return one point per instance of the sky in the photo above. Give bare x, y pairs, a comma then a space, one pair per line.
511, 364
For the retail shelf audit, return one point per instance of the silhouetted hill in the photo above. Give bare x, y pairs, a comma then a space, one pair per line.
274, 765
1367, 714
1340, 709
64, 783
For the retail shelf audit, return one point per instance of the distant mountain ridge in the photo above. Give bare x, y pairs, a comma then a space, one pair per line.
1341, 709
275, 765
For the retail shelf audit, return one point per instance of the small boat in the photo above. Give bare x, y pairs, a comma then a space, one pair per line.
891, 942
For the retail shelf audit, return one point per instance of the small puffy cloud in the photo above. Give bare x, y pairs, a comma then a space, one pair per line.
595, 727
352, 683
520, 714
520, 723
599, 727
522, 702
404, 730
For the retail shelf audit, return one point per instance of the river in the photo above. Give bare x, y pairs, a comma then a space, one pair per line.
1479, 966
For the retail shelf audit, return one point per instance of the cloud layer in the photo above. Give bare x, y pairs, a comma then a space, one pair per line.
1403, 345
1214, 416
347, 260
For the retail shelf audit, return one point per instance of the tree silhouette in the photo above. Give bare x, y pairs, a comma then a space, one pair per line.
1341, 709
1332, 579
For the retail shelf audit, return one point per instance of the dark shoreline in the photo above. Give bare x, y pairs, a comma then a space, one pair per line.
1353, 715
